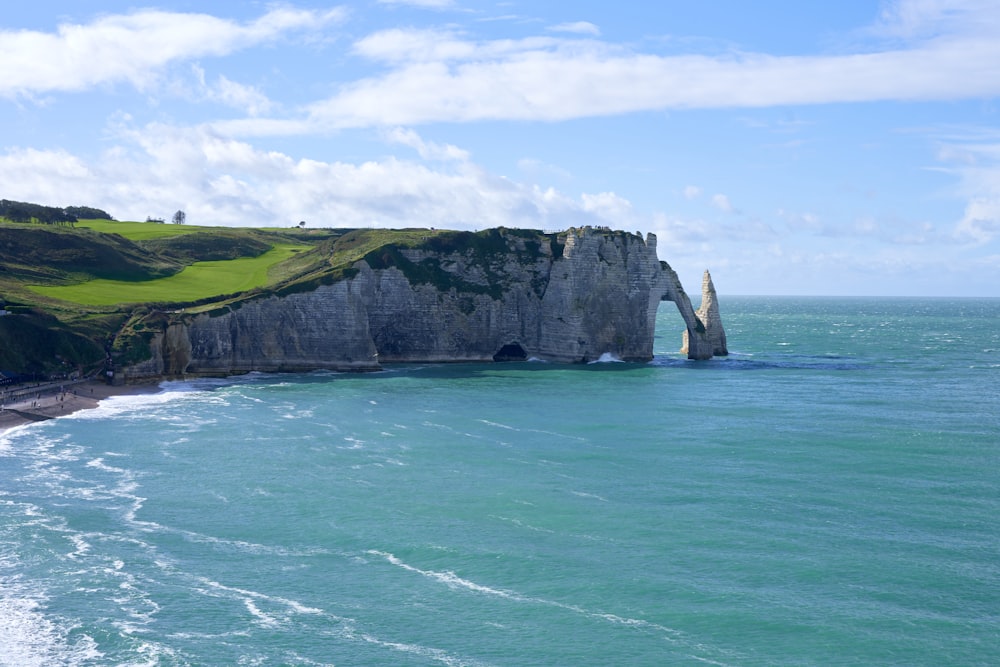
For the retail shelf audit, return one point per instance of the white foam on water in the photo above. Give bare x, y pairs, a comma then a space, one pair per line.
584, 494
434, 654
264, 620
81, 544
30, 638
291, 605
498, 425
9, 437
452, 580
606, 358
449, 578
101, 465
521, 524
395, 462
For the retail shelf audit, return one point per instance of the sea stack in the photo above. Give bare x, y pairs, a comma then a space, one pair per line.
709, 325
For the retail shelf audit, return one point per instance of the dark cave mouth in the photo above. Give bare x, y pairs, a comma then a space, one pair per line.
511, 352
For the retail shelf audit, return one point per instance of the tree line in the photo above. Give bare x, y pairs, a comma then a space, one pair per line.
19, 211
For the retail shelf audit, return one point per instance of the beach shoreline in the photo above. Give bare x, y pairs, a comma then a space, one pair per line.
50, 403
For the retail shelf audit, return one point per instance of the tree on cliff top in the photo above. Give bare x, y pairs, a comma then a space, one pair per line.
180, 217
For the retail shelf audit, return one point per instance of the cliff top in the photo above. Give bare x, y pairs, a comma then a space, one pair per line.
69, 289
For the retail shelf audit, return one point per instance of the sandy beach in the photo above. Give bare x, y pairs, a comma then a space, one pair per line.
49, 402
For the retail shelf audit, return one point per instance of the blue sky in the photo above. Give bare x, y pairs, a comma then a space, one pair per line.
793, 148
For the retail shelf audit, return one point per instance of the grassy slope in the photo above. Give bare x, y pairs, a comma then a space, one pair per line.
196, 282
141, 231
76, 289
100, 266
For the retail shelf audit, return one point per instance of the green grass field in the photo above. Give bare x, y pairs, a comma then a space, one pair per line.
141, 231
201, 280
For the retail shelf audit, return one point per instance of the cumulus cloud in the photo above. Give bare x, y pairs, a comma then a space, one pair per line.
981, 222
133, 48
222, 181
692, 192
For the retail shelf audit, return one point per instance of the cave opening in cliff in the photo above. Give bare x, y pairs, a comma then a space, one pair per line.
511, 352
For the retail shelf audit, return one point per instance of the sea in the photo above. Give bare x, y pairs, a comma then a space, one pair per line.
828, 494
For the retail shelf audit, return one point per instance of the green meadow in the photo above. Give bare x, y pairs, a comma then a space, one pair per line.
141, 231
200, 280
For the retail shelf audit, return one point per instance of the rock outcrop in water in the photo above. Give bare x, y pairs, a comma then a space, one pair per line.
498, 295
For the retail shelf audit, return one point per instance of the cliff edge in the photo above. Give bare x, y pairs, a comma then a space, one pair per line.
496, 295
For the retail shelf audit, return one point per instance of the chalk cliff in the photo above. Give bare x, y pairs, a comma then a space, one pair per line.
496, 295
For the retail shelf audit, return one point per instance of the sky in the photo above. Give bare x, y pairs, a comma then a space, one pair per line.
792, 148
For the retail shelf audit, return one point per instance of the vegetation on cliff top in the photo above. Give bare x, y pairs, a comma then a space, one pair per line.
73, 298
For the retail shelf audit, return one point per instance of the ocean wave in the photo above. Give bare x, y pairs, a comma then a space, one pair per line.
606, 358
498, 425
452, 580
434, 654
449, 578
280, 612
31, 638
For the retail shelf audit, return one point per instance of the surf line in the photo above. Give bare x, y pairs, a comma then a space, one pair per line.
452, 580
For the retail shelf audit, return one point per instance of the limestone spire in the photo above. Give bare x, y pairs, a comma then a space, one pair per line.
709, 316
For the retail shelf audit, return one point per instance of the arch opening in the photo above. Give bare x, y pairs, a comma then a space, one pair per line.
669, 330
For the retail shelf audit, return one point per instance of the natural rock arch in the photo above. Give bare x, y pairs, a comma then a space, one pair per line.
704, 336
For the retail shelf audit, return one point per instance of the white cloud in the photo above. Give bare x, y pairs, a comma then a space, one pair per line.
436, 76
682, 235
981, 222
973, 155
133, 48
428, 150
577, 27
217, 180
722, 203
610, 207
426, 4
692, 192
400, 46
233, 94
910, 19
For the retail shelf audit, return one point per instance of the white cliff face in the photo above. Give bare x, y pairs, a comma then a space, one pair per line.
598, 296
712, 341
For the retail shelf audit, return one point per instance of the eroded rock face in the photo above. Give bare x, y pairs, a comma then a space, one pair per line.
713, 341
598, 294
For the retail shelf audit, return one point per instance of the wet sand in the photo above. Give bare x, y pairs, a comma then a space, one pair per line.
52, 404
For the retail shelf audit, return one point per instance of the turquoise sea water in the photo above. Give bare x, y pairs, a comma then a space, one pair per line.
827, 495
